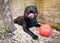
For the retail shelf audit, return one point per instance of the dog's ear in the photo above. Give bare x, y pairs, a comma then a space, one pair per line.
35, 8
25, 12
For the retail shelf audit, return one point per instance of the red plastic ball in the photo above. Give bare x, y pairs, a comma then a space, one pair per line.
45, 30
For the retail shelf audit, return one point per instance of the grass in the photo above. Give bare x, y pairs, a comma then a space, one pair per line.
4, 29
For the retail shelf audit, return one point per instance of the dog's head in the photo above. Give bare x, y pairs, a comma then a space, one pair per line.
30, 12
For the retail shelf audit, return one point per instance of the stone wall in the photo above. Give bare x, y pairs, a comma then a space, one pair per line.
17, 6
50, 12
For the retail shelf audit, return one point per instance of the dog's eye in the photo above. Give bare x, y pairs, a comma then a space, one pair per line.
35, 14
28, 12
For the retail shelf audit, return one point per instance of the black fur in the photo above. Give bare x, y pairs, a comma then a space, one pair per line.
27, 23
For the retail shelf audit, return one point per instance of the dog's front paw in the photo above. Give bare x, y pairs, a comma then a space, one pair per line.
35, 37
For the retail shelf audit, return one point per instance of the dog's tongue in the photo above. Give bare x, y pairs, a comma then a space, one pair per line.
31, 15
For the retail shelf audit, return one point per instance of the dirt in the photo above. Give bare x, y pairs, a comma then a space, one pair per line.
23, 37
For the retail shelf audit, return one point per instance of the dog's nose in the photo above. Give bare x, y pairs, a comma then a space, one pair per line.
31, 11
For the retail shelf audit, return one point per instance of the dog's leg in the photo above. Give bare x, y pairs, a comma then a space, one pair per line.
37, 25
34, 21
26, 29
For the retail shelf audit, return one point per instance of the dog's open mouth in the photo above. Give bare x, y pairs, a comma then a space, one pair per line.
31, 15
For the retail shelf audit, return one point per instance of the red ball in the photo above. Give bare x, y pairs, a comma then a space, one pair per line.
45, 30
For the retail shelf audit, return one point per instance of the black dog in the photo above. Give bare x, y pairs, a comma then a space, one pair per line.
27, 21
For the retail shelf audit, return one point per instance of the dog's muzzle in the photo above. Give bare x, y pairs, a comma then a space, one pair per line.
31, 15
